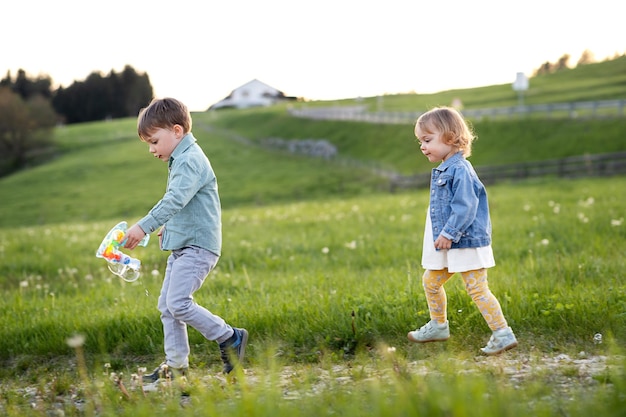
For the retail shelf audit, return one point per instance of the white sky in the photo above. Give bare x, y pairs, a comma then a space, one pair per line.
200, 50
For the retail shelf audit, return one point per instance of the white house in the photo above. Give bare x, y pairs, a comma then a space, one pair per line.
252, 94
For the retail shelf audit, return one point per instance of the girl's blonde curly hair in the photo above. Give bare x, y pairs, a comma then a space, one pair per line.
454, 129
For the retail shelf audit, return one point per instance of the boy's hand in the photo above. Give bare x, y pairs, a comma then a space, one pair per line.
134, 236
443, 243
160, 234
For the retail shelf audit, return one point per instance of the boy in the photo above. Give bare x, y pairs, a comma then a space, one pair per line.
189, 215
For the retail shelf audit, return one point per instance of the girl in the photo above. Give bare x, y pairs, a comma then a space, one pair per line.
457, 235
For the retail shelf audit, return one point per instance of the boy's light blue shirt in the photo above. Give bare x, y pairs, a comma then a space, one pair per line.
459, 209
190, 208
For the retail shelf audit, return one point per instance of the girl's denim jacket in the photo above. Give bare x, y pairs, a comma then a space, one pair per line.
459, 209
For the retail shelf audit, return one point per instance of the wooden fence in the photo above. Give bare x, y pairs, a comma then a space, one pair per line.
573, 110
599, 165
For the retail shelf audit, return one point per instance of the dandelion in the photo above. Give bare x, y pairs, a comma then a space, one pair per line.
154, 272
23, 284
586, 203
545, 242
351, 245
391, 349
526, 207
617, 222
583, 218
325, 250
75, 341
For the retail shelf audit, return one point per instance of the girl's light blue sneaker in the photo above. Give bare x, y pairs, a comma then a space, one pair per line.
500, 341
430, 332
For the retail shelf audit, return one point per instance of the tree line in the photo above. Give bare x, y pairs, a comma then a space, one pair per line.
563, 63
30, 108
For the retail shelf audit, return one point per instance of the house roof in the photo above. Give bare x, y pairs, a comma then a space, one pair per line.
251, 94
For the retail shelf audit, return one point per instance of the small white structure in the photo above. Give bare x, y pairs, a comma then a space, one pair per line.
520, 85
252, 94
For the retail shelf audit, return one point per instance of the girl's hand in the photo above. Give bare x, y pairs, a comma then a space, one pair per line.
160, 234
443, 243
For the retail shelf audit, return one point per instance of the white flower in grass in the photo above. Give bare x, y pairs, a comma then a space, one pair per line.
23, 284
75, 341
325, 250
545, 242
588, 202
351, 245
526, 207
583, 218
617, 222
155, 272
391, 349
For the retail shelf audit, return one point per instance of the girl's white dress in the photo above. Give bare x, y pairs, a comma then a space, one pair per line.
456, 260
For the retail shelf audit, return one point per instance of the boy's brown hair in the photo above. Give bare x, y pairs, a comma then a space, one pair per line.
454, 129
163, 113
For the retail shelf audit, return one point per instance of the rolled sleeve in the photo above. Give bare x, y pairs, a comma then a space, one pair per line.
149, 224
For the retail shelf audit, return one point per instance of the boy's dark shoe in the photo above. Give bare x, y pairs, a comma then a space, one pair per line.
164, 372
234, 348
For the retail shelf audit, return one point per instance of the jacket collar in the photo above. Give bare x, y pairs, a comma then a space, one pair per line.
450, 161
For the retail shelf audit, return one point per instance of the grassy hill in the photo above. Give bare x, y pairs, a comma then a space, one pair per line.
104, 171
599, 81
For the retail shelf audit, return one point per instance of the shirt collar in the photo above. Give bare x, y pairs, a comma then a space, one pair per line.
184, 144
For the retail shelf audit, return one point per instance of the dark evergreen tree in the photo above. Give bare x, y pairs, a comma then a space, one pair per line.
99, 98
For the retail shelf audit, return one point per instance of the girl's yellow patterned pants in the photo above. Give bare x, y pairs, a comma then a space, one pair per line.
476, 286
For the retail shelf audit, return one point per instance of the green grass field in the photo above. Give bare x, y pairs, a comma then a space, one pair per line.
322, 265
